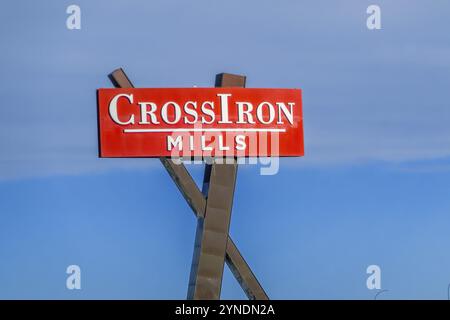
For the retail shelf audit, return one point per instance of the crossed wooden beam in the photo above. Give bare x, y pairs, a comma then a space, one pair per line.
212, 207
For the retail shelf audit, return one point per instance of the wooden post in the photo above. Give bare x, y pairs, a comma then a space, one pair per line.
212, 229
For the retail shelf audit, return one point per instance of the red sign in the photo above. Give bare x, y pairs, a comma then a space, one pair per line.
163, 122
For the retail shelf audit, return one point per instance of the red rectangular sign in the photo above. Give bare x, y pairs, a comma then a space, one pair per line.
164, 122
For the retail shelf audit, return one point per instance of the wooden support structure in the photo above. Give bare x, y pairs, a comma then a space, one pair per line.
212, 207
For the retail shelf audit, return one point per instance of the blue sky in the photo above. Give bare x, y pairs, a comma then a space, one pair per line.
372, 188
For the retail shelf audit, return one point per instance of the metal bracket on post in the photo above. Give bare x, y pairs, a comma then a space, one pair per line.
198, 202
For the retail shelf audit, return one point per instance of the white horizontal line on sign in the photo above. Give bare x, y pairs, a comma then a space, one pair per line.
203, 130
